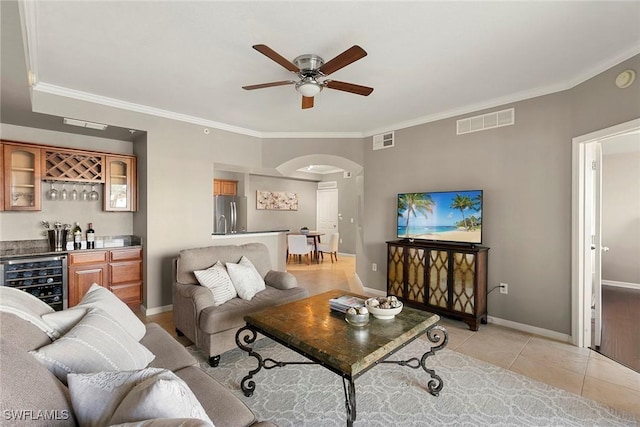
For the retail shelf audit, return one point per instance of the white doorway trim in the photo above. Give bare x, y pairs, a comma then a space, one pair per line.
580, 243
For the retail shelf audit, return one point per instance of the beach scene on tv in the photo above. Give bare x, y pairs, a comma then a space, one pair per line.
454, 216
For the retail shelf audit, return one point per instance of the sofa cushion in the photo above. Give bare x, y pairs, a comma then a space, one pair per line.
28, 386
281, 279
102, 298
190, 260
106, 398
22, 334
231, 315
216, 278
96, 343
245, 278
170, 354
27, 307
168, 422
223, 407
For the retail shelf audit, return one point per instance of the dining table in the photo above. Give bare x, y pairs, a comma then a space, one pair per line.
316, 239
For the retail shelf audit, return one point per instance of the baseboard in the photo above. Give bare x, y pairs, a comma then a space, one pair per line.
558, 336
156, 310
621, 284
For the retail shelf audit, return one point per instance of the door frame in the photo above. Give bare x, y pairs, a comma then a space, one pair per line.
581, 231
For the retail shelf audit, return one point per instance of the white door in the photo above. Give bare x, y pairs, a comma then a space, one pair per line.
593, 264
327, 212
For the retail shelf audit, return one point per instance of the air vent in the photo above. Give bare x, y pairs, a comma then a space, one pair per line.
327, 185
384, 140
486, 121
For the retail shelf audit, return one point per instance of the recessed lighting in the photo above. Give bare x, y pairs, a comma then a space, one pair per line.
83, 124
625, 79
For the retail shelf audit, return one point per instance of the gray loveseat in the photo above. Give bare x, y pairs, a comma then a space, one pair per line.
212, 328
31, 395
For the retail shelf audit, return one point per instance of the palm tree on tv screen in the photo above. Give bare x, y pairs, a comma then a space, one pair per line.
414, 204
462, 203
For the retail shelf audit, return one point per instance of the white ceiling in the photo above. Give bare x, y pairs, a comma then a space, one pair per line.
426, 60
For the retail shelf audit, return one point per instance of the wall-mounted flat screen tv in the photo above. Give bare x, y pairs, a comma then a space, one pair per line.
446, 216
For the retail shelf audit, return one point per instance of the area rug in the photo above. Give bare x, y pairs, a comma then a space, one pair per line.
475, 393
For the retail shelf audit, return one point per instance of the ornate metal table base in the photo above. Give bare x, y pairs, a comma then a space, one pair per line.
436, 334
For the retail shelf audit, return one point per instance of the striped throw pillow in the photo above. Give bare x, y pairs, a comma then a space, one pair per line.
218, 281
96, 343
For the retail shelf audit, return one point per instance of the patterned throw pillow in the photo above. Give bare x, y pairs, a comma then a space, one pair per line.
218, 281
245, 278
107, 398
97, 343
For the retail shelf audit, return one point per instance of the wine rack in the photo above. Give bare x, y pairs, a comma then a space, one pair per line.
73, 167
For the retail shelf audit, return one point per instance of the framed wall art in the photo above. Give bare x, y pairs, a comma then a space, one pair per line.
276, 200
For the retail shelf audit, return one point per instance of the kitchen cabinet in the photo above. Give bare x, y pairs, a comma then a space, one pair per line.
85, 269
225, 187
119, 270
72, 166
2, 177
125, 274
440, 278
120, 193
21, 180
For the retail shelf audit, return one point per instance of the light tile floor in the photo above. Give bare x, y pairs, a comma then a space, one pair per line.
577, 370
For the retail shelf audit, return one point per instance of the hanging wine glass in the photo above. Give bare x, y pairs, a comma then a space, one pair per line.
52, 194
94, 195
74, 193
85, 193
63, 193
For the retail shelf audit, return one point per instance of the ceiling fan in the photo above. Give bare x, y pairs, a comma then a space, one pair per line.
312, 70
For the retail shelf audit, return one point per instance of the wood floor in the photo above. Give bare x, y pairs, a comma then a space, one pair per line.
621, 325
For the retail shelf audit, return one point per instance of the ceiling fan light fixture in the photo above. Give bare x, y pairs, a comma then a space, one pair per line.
308, 87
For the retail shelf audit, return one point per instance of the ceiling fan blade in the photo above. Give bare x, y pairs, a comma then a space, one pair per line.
263, 85
345, 58
349, 87
275, 56
307, 102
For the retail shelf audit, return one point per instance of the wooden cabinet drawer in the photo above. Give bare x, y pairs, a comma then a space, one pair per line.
125, 272
130, 294
125, 254
93, 257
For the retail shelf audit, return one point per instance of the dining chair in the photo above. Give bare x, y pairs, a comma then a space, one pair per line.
298, 245
331, 247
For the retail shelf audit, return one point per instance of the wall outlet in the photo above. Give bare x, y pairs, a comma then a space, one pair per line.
504, 288
374, 267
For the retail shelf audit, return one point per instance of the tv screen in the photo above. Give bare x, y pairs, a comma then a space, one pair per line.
447, 216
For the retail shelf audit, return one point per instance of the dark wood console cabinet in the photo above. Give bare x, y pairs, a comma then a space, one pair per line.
441, 278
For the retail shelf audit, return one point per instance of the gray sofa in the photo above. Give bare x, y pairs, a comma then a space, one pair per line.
213, 328
31, 395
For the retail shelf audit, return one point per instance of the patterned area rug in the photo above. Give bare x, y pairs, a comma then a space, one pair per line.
475, 393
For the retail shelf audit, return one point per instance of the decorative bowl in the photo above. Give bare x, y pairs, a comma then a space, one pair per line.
357, 319
304, 230
382, 313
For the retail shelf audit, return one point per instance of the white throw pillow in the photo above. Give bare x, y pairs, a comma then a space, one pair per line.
106, 398
102, 298
162, 396
218, 281
245, 278
97, 343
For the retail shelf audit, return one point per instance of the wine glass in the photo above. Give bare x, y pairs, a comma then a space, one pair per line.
94, 195
74, 193
52, 194
63, 193
85, 193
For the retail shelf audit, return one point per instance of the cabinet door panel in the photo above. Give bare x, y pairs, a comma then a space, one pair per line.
416, 264
93, 257
438, 278
395, 271
22, 185
81, 279
118, 189
464, 273
125, 254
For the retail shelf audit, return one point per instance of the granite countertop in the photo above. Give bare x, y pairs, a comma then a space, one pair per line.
27, 248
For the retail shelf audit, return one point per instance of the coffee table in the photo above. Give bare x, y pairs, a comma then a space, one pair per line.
310, 328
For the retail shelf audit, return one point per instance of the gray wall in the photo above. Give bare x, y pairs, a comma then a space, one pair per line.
16, 225
621, 217
525, 171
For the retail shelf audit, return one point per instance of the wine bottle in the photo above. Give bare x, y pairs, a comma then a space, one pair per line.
91, 237
77, 236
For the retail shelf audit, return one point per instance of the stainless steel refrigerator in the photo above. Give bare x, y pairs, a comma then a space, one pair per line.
229, 214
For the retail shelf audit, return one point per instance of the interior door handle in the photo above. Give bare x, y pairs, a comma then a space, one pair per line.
605, 249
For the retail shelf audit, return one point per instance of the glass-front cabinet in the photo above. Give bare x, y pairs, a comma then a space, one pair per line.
21, 178
120, 183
